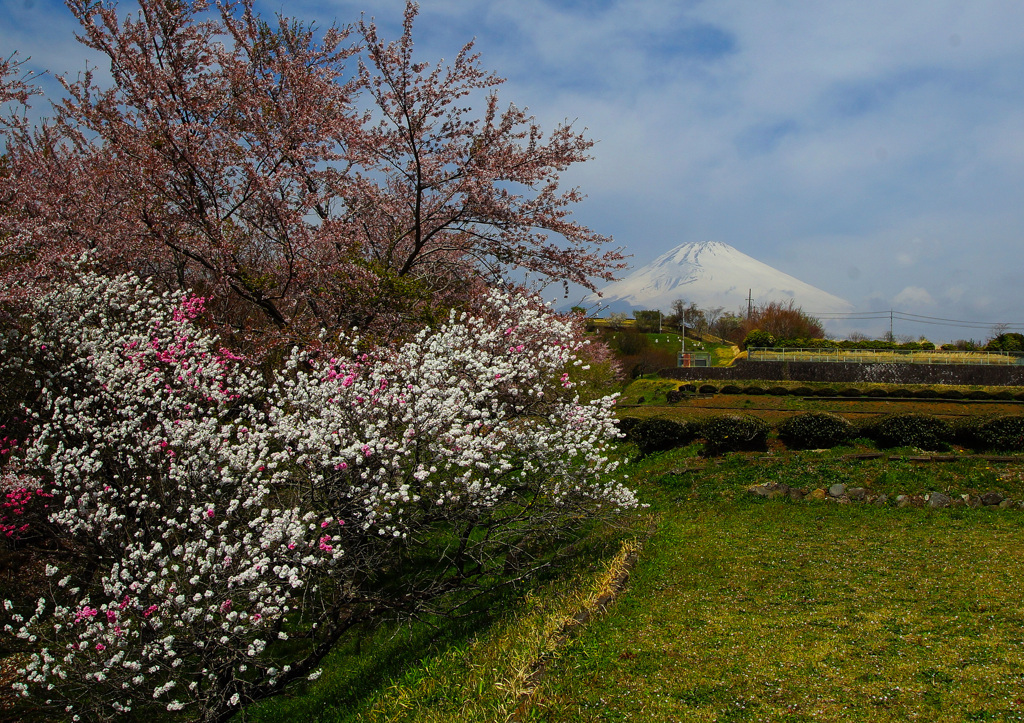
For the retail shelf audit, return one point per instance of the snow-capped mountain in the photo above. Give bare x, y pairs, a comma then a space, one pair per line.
711, 274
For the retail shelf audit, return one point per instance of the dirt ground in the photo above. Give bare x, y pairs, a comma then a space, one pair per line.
773, 408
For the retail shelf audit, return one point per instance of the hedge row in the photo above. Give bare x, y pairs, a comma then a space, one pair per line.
873, 392
818, 430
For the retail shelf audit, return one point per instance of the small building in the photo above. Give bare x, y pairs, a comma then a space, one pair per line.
693, 359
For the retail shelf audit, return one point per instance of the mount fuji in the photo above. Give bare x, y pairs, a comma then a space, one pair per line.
712, 274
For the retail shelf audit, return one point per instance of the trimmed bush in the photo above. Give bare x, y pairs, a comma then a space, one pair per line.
979, 394
674, 395
900, 393
754, 390
815, 430
1005, 434
802, 392
965, 430
734, 433
1019, 396
730, 389
708, 389
925, 394
951, 394
627, 424
778, 391
659, 435
850, 392
876, 392
1003, 395
827, 392
910, 430
691, 388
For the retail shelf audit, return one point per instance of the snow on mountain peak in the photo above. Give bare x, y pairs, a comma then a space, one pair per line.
712, 274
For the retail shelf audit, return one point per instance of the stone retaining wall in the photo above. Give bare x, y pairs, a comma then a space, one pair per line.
842, 494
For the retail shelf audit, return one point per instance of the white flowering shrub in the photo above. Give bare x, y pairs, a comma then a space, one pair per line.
220, 535
466, 416
470, 436
186, 547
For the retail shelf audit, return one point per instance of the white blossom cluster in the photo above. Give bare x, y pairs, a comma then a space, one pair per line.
213, 514
164, 473
462, 416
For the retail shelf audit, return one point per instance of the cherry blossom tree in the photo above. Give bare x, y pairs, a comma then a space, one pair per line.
222, 533
449, 197
298, 179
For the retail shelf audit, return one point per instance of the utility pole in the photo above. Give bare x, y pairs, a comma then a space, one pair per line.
750, 303
891, 337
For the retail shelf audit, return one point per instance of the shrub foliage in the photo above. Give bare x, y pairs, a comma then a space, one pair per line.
659, 435
734, 433
815, 430
1005, 434
909, 430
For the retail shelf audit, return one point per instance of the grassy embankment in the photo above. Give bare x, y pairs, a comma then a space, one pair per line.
721, 353
738, 609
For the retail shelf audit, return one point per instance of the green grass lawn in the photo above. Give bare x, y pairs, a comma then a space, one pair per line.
737, 609
721, 354
743, 609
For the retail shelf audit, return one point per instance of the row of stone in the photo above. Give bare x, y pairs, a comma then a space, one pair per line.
842, 494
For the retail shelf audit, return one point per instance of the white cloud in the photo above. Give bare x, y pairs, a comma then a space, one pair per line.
913, 297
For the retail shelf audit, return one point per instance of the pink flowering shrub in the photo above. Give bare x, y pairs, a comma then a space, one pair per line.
169, 488
23, 505
214, 517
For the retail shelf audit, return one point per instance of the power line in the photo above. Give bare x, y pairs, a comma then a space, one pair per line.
920, 319
907, 316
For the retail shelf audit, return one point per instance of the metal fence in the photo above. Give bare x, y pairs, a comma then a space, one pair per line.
887, 356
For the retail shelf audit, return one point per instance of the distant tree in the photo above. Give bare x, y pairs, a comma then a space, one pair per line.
688, 315
999, 329
784, 321
759, 338
617, 319
711, 315
630, 342
1007, 341
648, 320
728, 327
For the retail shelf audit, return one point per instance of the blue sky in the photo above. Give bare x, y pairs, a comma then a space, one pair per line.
873, 149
